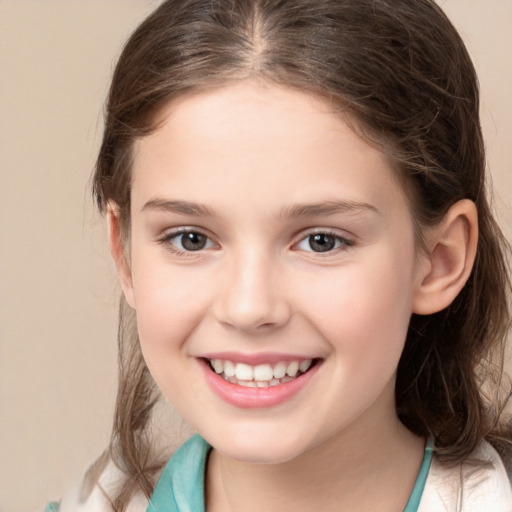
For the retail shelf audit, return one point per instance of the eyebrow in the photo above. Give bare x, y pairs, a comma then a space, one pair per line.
297, 210
182, 207
327, 208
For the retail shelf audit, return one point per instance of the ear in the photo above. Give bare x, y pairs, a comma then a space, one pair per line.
119, 253
448, 261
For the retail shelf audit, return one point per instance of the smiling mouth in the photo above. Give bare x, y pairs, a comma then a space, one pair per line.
262, 375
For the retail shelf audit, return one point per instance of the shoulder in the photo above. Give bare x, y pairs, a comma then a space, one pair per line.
99, 500
182, 472
181, 485
466, 488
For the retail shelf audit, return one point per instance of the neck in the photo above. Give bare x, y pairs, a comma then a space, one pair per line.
373, 470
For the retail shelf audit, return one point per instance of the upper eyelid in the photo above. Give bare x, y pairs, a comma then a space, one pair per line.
327, 231
172, 232
302, 233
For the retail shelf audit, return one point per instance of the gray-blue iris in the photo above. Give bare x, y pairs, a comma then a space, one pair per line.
322, 242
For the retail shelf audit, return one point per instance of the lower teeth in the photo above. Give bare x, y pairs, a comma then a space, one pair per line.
259, 384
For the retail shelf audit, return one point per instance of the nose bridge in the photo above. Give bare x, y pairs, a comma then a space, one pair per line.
252, 296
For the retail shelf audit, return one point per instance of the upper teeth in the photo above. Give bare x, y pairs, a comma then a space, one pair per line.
261, 372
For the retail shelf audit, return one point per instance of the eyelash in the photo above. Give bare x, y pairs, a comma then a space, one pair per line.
167, 241
343, 243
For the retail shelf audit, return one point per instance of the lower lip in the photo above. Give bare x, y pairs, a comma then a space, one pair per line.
251, 398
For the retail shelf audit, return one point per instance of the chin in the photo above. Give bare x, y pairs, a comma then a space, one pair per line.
258, 455
259, 448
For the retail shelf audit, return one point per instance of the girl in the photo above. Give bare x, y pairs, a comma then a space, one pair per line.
311, 274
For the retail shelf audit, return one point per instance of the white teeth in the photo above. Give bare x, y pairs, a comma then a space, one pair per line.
229, 368
244, 372
247, 383
304, 365
263, 372
279, 370
217, 365
262, 375
292, 369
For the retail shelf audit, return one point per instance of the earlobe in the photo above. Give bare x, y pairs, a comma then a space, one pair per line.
118, 251
447, 264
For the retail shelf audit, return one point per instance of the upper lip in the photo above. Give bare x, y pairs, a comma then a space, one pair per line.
256, 358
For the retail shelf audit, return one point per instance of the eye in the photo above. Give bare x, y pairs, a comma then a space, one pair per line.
188, 241
323, 242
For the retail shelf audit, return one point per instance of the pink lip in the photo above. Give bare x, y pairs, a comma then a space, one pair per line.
251, 398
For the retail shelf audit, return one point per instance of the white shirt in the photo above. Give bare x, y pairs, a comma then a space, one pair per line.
462, 488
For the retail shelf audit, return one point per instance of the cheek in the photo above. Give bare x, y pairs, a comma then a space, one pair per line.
363, 310
169, 309
169, 304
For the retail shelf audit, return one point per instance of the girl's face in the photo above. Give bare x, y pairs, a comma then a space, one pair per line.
267, 236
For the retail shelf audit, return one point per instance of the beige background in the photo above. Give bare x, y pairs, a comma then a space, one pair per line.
58, 291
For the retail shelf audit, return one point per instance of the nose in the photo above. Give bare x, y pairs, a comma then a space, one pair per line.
251, 297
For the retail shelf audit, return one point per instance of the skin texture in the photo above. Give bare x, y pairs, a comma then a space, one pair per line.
253, 155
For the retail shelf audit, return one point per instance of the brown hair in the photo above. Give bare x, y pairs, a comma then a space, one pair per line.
402, 73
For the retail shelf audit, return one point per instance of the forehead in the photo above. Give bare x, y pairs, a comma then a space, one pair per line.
252, 138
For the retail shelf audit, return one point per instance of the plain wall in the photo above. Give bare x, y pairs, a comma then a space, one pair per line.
58, 291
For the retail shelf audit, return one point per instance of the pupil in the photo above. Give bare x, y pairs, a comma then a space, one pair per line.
193, 241
322, 242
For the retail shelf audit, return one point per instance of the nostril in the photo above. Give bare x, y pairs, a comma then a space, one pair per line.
266, 325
